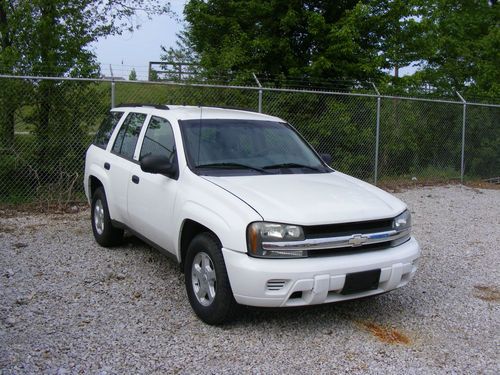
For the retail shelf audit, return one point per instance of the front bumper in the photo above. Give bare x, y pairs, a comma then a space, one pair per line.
309, 281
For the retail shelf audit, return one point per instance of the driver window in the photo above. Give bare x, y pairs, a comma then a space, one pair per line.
159, 139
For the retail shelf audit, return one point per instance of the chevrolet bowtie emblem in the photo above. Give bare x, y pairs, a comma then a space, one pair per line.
357, 240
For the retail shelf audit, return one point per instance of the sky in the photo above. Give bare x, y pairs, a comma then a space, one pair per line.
135, 50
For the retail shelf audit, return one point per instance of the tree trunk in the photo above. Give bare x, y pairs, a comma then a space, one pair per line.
48, 64
8, 102
7, 122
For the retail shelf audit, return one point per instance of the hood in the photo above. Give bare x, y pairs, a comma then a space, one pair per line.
311, 199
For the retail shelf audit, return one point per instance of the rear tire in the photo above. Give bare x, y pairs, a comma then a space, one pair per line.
207, 283
104, 232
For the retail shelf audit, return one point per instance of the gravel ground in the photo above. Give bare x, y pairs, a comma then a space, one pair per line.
70, 306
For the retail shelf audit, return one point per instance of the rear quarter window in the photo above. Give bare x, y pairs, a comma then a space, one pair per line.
106, 129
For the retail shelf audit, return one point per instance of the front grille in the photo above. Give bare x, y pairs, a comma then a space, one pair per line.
346, 229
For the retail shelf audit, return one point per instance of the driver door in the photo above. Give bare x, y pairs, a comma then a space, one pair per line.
151, 197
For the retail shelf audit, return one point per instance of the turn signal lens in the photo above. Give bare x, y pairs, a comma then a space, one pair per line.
252, 239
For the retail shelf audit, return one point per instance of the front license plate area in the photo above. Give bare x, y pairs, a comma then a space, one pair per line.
361, 281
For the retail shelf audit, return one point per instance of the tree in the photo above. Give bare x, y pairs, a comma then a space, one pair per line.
314, 39
178, 58
133, 75
12, 21
153, 75
53, 37
393, 28
454, 44
463, 43
270, 37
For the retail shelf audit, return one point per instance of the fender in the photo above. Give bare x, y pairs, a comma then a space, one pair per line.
205, 216
229, 228
215, 208
99, 173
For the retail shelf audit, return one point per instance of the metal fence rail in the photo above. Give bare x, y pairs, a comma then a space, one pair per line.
47, 123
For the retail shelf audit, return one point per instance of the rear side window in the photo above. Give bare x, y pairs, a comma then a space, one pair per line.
159, 139
106, 129
126, 139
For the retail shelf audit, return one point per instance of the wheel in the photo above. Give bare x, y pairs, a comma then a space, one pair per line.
104, 232
207, 283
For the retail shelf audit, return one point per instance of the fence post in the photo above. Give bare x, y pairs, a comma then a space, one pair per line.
112, 88
462, 160
377, 137
260, 92
113, 94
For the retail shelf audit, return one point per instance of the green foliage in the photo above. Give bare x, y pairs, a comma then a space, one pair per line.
455, 45
343, 127
278, 38
354, 40
459, 47
417, 138
483, 142
153, 75
54, 37
133, 75
49, 160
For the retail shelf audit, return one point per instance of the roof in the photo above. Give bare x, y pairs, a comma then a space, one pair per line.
188, 112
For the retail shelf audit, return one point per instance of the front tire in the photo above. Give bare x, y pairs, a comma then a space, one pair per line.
104, 232
207, 283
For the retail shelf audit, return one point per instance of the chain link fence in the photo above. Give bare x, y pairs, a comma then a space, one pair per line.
46, 125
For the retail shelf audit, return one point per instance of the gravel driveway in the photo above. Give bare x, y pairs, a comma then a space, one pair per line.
70, 306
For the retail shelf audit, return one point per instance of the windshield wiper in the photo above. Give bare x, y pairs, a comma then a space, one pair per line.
292, 165
231, 166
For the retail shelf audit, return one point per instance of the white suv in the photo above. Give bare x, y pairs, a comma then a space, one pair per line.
251, 212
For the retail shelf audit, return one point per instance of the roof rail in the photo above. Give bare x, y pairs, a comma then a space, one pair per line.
230, 107
157, 106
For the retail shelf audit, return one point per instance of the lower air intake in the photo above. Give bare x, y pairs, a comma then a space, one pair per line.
275, 285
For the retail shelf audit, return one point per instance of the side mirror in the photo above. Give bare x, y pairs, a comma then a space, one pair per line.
158, 164
327, 158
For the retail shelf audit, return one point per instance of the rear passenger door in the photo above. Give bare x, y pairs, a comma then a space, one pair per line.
121, 160
151, 197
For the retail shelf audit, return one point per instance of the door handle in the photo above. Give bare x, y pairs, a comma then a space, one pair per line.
135, 179
107, 166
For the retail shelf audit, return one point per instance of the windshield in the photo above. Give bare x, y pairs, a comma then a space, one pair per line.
240, 147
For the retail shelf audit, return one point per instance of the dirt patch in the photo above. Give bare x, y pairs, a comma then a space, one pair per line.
483, 185
80, 231
385, 334
487, 293
397, 186
13, 210
6, 229
32, 227
19, 245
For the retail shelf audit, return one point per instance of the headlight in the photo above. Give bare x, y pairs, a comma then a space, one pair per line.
261, 232
402, 224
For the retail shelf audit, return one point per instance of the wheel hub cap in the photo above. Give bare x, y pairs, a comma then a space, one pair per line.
203, 278
99, 216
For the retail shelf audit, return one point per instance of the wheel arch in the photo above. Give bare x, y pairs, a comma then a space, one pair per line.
94, 184
189, 230
98, 178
